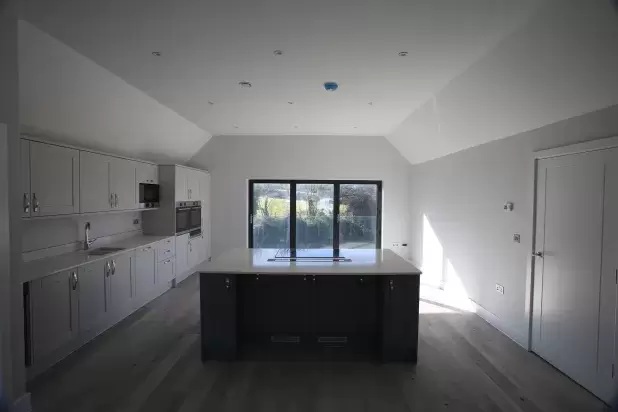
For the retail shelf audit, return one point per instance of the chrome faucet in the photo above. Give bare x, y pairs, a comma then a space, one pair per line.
87, 241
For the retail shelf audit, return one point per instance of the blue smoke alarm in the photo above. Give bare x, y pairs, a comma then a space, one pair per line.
331, 86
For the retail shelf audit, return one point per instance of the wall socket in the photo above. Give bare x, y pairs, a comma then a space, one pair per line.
136, 221
499, 288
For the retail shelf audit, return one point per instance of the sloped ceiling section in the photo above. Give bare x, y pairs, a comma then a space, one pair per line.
561, 64
69, 98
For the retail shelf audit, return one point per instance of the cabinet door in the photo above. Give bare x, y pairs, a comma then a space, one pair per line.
54, 179
145, 280
193, 184
219, 316
93, 297
120, 294
122, 183
180, 181
400, 313
182, 254
54, 312
25, 177
94, 183
147, 173
205, 195
165, 272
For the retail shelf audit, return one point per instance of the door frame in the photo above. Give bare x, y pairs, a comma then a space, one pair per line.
336, 202
572, 149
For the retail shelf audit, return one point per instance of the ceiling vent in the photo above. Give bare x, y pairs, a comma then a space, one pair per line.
331, 86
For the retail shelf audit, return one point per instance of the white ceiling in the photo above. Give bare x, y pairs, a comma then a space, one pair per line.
209, 46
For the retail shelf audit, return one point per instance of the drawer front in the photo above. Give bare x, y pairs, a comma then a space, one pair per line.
165, 271
166, 249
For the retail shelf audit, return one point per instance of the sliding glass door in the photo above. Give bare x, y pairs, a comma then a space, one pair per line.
315, 214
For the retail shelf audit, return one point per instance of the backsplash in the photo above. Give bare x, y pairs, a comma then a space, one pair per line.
49, 237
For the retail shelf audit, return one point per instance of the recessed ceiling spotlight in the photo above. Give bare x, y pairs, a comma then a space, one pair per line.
156, 54
210, 102
245, 84
278, 52
331, 86
403, 54
290, 102
235, 126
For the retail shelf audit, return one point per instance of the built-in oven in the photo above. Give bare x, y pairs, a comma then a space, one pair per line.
148, 195
189, 218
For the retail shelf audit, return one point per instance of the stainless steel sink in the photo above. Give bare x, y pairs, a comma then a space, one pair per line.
104, 251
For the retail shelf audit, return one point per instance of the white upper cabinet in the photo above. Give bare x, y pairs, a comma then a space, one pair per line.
95, 191
54, 177
122, 184
193, 184
26, 202
147, 173
180, 184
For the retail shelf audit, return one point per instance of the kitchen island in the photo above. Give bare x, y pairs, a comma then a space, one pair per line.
341, 303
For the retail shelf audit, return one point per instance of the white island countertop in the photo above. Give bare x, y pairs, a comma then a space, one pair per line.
310, 261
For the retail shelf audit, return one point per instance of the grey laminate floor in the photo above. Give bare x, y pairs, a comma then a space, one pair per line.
150, 362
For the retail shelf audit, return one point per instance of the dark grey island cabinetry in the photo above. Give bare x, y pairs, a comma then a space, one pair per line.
342, 304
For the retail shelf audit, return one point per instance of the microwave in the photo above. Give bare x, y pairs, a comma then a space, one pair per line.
148, 195
189, 218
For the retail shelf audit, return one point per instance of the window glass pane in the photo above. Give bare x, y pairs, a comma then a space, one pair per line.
358, 212
271, 215
314, 215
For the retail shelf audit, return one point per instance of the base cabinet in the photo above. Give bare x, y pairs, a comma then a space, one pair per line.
54, 313
145, 278
93, 286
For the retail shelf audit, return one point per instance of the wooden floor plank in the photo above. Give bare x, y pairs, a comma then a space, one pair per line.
151, 362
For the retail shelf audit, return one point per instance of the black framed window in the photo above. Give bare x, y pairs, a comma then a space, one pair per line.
316, 214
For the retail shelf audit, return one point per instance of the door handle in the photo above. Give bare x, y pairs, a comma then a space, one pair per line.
35, 203
538, 254
26, 203
75, 280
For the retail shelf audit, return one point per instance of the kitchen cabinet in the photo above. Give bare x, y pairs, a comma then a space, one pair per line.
145, 278
122, 183
95, 190
120, 287
196, 251
54, 177
93, 301
180, 184
146, 173
24, 153
165, 273
54, 312
182, 254
193, 183
399, 294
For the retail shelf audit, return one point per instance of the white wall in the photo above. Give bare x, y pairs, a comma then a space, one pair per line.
66, 97
233, 160
462, 196
561, 64
12, 371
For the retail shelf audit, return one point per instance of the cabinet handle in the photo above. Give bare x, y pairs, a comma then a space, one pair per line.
116, 199
74, 280
35, 203
167, 261
111, 200
391, 285
146, 249
228, 283
168, 251
113, 267
26, 203
107, 269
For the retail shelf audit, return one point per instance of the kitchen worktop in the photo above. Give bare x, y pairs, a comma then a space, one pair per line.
312, 261
40, 268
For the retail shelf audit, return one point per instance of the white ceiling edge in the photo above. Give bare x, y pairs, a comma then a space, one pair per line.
68, 98
560, 65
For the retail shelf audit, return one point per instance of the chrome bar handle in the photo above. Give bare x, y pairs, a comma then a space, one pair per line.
113, 267
26, 203
116, 199
75, 280
107, 268
35, 203
111, 200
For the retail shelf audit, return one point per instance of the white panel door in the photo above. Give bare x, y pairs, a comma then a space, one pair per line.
120, 286
96, 194
93, 297
25, 177
182, 254
122, 183
180, 184
147, 173
193, 184
54, 312
568, 270
54, 179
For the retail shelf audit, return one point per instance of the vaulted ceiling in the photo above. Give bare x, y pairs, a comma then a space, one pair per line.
473, 70
207, 47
